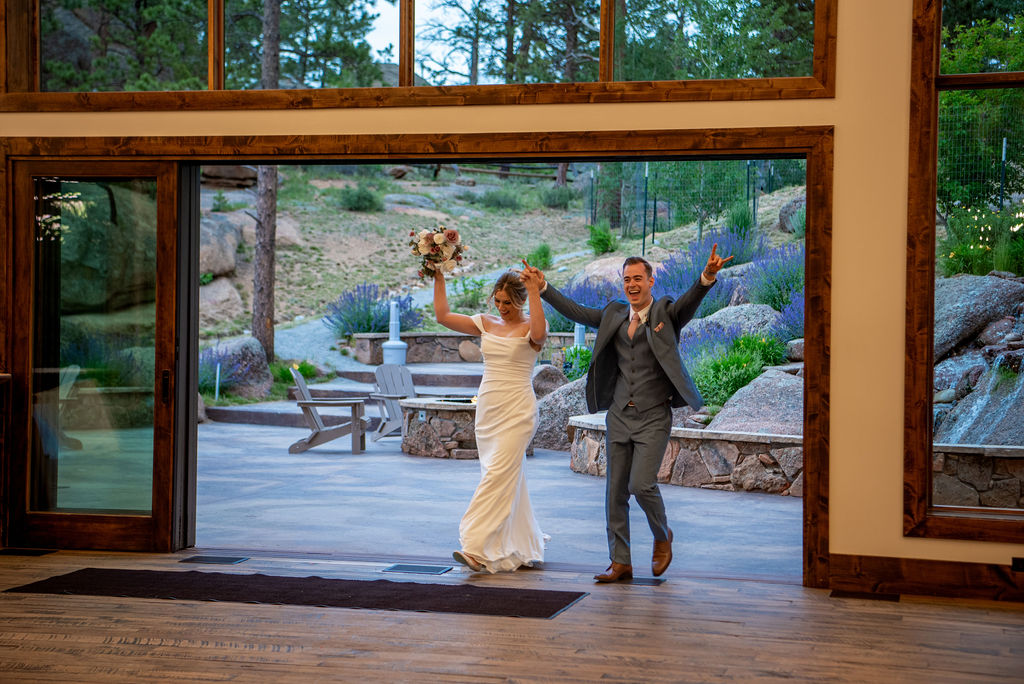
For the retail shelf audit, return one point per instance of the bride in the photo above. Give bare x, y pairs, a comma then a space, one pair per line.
498, 531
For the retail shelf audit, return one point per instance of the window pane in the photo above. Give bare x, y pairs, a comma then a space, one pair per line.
979, 300
469, 42
982, 37
93, 346
323, 43
116, 45
657, 40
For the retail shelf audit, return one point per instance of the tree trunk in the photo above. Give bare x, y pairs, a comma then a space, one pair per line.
561, 174
266, 197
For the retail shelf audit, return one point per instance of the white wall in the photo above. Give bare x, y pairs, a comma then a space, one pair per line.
870, 114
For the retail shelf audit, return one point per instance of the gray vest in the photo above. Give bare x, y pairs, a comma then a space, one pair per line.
641, 379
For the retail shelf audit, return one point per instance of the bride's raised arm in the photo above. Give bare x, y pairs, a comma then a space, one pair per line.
538, 322
453, 321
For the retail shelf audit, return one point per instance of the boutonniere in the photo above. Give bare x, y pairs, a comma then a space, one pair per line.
658, 327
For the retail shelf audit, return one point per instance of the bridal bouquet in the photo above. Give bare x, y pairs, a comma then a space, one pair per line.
439, 249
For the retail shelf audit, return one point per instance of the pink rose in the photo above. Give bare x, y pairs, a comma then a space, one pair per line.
452, 236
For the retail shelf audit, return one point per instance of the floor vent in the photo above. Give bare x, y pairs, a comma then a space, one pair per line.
215, 560
418, 569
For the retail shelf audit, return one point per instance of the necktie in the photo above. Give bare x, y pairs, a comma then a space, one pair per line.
634, 323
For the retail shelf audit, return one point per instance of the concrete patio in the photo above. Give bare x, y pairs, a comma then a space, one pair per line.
384, 504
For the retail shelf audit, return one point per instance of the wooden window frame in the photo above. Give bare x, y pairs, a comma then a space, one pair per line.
20, 75
920, 517
814, 142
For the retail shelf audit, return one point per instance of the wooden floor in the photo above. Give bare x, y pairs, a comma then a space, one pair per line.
687, 629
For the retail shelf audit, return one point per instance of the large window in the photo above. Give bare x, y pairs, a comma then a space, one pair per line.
965, 401
521, 51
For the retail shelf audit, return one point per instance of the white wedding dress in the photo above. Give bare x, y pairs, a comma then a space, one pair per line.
499, 527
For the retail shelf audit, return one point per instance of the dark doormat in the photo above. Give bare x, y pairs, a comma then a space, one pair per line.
308, 591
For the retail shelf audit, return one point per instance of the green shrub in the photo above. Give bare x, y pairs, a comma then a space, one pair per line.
558, 197
741, 219
354, 199
719, 376
540, 257
500, 199
978, 241
602, 239
281, 371
797, 223
468, 294
576, 362
205, 278
220, 202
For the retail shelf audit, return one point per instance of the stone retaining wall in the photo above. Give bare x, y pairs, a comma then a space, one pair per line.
440, 428
445, 347
703, 458
978, 476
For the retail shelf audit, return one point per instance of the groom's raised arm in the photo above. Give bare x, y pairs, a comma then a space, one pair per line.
577, 313
683, 309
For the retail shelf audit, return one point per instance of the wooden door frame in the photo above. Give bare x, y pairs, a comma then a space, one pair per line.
813, 142
65, 530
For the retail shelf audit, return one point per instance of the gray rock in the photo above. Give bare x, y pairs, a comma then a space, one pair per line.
753, 319
1003, 494
546, 379
219, 301
975, 471
201, 416
690, 470
771, 404
788, 209
795, 350
218, 244
945, 396
790, 459
992, 414
965, 304
246, 353
751, 474
952, 369
554, 411
797, 488
996, 331
949, 491
719, 456
469, 351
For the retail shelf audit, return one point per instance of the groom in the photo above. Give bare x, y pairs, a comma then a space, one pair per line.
637, 375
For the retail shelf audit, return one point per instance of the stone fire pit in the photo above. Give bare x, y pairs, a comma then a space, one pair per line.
441, 428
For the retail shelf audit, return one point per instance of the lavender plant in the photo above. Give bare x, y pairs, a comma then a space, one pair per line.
790, 325
707, 340
232, 369
367, 308
773, 279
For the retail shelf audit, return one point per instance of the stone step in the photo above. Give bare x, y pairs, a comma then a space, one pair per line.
347, 389
429, 374
286, 414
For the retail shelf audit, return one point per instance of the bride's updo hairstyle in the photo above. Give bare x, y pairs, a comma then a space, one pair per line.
512, 285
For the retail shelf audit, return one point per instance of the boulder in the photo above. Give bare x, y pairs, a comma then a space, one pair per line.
773, 403
219, 301
795, 350
950, 371
252, 378
996, 331
992, 414
234, 176
201, 416
554, 410
218, 244
469, 352
965, 305
546, 379
753, 319
788, 209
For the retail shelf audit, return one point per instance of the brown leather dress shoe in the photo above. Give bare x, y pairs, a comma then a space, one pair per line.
615, 572
662, 555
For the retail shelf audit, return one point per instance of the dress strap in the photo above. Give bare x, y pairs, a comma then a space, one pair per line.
479, 322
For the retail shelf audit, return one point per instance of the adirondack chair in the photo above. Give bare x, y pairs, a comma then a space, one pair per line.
319, 433
394, 383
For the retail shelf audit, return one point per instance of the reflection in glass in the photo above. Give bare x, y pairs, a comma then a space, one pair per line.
471, 42
657, 40
978, 405
93, 346
982, 37
323, 44
115, 45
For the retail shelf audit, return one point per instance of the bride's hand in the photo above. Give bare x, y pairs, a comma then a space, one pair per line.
532, 277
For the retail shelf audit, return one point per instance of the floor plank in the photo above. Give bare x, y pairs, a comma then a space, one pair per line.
688, 629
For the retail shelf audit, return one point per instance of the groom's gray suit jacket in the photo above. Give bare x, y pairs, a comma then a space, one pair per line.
666, 318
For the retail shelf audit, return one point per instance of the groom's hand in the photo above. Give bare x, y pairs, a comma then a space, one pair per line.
715, 263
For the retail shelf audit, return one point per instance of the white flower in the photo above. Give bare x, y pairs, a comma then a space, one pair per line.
448, 266
438, 238
448, 250
425, 245
423, 234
